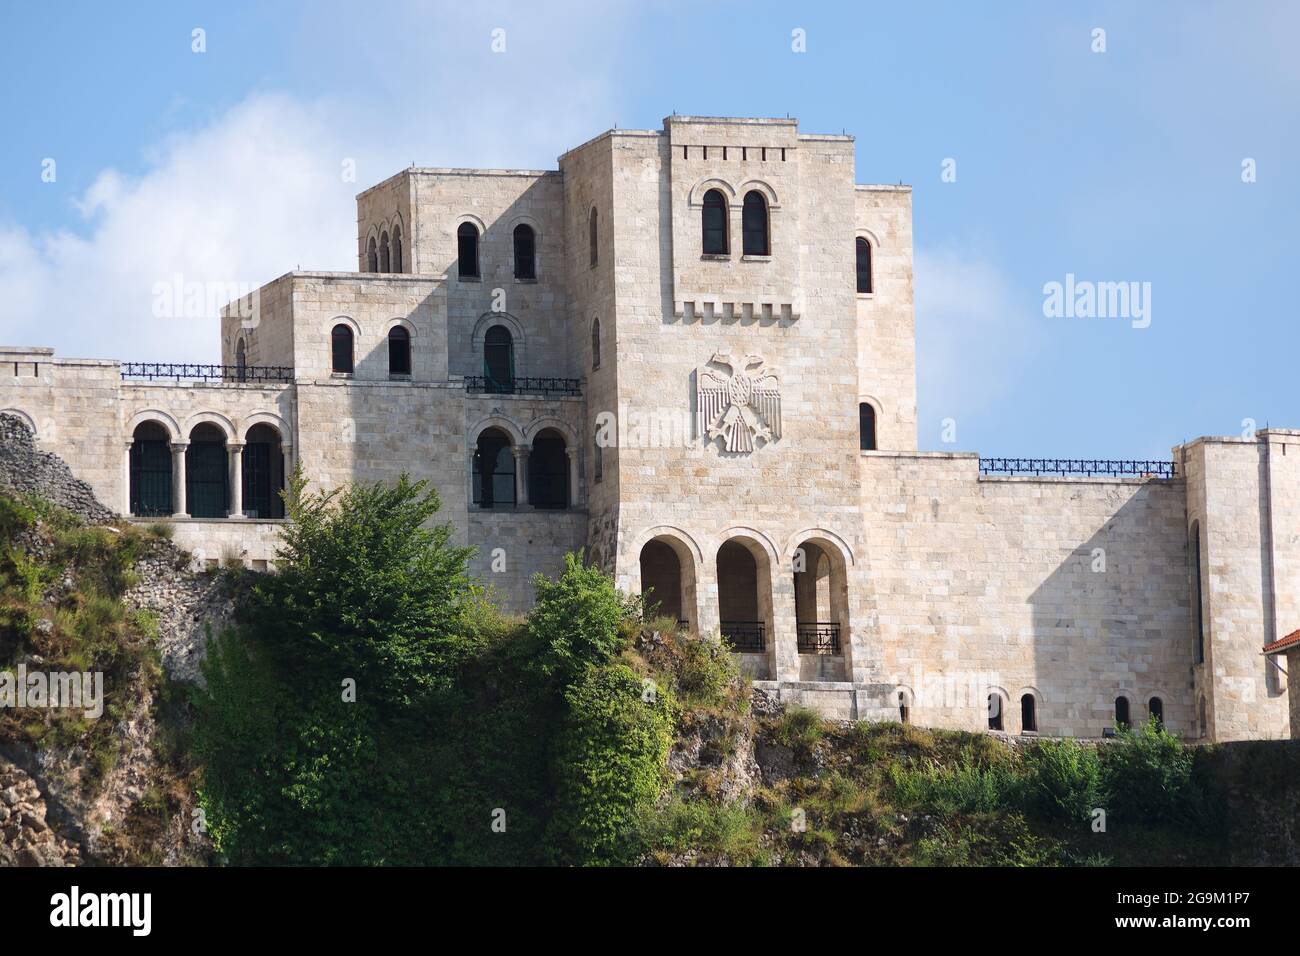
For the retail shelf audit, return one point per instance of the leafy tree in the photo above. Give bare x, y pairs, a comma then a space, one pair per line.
576, 619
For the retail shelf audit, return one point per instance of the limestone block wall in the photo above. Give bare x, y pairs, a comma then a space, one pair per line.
1073, 590
1239, 491
512, 546
386, 208
886, 315
264, 323
249, 542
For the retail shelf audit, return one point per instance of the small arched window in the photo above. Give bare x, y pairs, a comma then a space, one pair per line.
866, 426
592, 234
864, 265
399, 351
241, 359
714, 223
597, 462
1198, 614
1156, 708
595, 344
1121, 711
397, 249
467, 251
341, 348
995, 712
372, 256
1204, 717
903, 712
754, 224
1028, 714
384, 261
499, 360
525, 253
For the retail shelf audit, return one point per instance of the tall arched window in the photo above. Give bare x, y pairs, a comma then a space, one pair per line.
1121, 711
397, 248
384, 261
597, 461
1156, 708
714, 223
548, 471
399, 351
263, 478
467, 251
1198, 613
592, 234
525, 253
241, 360
341, 348
499, 360
754, 226
493, 470
372, 256
866, 426
1028, 714
1203, 717
864, 265
207, 475
595, 344
151, 471
995, 712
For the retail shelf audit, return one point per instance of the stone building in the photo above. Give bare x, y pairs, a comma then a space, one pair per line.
690, 352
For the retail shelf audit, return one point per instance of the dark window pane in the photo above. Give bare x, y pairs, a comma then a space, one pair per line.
467, 251
754, 224
591, 228
399, 352
151, 472
595, 344
341, 348
866, 427
864, 265
525, 253
493, 471
715, 223
499, 360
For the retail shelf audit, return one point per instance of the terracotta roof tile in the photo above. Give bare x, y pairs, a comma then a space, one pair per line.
1281, 644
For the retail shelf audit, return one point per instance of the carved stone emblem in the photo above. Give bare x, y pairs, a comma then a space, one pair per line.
740, 406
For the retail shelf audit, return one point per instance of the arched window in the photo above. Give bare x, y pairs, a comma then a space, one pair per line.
995, 712
1121, 711
341, 348
207, 485
548, 471
1028, 714
499, 360
597, 462
525, 253
384, 260
592, 231
493, 470
372, 256
595, 344
263, 464
399, 351
866, 426
397, 248
1156, 708
467, 251
753, 222
241, 360
864, 265
714, 222
1198, 614
1204, 719
903, 713
151, 471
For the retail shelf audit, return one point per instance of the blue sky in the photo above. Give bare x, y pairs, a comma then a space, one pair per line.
1117, 166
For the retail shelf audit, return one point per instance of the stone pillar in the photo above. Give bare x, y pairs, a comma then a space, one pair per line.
573, 476
784, 630
126, 475
521, 474
235, 461
179, 448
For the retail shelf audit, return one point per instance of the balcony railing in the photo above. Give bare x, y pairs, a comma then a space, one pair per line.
744, 637
238, 374
481, 384
819, 638
1092, 467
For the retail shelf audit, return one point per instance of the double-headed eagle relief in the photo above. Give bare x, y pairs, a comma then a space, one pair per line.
740, 405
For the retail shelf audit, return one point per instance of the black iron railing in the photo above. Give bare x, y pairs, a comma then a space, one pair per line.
1093, 467
744, 637
521, 386
819, 638
208, 373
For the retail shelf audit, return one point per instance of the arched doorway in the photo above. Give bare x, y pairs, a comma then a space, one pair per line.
548, 471
151, 471
207, 475
821, 609
668, 579
745, 603
499, 360
263, 473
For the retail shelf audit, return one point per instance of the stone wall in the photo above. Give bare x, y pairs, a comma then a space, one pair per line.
27, 470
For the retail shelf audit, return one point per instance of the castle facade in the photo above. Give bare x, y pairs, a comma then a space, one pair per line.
690, 352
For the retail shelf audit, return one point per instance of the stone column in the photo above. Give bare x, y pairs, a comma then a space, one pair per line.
179, 448
573, 476
521, 473
235, 461
126, 474
785, 646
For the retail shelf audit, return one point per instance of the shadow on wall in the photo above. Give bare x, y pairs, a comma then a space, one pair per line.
1113, 620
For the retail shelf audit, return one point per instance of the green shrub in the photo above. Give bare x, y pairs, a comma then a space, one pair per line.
706, 670
705, 827
576, 620
1149, 774
610, 764
799, 728
949, 790
1064, 780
